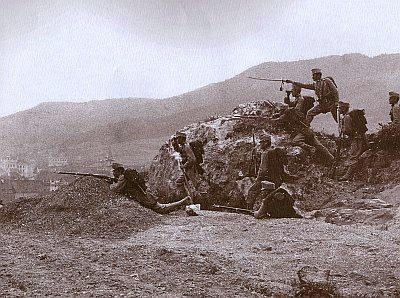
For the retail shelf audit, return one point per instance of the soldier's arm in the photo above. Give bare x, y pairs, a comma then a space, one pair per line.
119, 186
304, 86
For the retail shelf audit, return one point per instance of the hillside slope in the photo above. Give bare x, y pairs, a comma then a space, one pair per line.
81, 129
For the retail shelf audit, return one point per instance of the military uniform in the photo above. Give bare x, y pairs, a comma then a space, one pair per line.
277, 203
395, 109
189, 166
328, 97
303, 136
348, 127
135, 192
271, 169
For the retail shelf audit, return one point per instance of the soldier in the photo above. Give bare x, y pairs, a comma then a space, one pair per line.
134, 188
353, 125
271, 169
395, 109
277, 203
327, 93
191, 170
302, 134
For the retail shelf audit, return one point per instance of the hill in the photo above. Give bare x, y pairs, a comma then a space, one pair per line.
132, 128
83, 240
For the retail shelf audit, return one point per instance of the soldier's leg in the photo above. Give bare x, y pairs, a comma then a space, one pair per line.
169, 207
194, 177
252, 194
327, 157
263, 210
350, 171
312, 113
300, 141
334, 112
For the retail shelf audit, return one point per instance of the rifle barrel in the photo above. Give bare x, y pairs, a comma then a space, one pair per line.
265, 79
236, 210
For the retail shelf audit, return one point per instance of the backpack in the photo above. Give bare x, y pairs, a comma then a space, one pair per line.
358, 120
198, 149
134, 179
279, 204
333, 81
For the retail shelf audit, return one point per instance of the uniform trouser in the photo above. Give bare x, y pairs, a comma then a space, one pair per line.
262, 211
321, 109
356, 165
310, 141
169, 207
149, 200
190, 174
255, 190
359, 144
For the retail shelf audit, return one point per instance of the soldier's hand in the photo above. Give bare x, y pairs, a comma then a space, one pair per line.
289, 81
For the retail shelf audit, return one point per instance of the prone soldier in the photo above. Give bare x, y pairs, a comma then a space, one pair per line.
131, 186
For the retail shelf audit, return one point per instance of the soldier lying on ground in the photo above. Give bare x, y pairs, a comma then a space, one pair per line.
130, 185
276, 203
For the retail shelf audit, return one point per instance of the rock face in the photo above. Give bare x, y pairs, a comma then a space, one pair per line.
228, 162
230, 170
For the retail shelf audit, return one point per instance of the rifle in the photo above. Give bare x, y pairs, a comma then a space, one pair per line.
270, 80
100, 176
333, 170
233, 209
253, 159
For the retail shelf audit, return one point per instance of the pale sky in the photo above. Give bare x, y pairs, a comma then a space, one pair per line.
80, 50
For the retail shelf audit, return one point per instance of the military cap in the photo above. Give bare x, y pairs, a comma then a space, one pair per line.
393, 94
265, 138
116, 165
267, 185
316, 70
343, 104
180, 134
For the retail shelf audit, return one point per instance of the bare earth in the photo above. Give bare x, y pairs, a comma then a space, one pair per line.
97, 245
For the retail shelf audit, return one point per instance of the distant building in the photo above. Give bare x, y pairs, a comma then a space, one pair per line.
15, 167
56, 184
58, 161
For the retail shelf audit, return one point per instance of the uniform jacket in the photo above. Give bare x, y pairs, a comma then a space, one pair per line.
395, 115
127, 189
272, 166
325, 90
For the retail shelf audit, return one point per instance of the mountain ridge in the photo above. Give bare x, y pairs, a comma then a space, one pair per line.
53, 127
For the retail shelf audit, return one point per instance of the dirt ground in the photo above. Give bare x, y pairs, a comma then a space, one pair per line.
85, 242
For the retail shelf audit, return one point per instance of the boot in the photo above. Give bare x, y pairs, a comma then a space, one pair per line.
349, 173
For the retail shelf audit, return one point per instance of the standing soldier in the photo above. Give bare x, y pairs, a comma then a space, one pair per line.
190, 168
327, 93
395, 109
353, 125
271, 169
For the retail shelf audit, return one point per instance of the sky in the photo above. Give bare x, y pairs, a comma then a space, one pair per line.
82, 50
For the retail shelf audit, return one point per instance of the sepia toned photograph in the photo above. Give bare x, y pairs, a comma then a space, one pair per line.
202, 149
